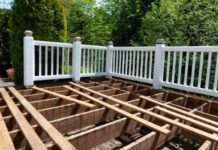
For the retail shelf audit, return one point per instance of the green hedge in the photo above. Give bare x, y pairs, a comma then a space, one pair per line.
44, 17
4, 41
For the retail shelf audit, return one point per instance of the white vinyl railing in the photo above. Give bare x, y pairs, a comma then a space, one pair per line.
191, 68
93, 60
133, 63
188, 68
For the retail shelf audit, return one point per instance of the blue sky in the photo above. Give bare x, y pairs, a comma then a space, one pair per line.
7, 5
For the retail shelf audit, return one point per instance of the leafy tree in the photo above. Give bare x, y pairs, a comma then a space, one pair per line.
4, 40
181, 22
88, 21
128, 22
45, 18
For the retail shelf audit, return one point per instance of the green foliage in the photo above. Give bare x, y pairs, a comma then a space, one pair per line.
181, 22
89, 22
4, 40
44, 17
128, 22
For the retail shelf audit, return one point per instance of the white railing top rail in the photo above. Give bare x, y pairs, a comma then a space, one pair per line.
191, 48
139, 48
94, 47
55, 44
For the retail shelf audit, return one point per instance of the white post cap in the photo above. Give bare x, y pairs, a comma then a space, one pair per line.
77, 39
28, 33
110, 43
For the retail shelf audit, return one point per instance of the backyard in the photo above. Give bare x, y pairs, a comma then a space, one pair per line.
106, 74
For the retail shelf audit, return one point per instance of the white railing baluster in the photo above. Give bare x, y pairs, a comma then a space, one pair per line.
52, 60
63, 60
208, 70
174, 67
46, 60
68, 60
123, 62
40, 60
200, 69
134, 57
92, 63
117, 63
102, 61
57, 62
180, 67
130, 63
216, 75
186, 68
96, 61
120, 62
88, 60
127, 61
137, 67
146, 64
150, 65
142, 63
83, 60
193, 69
113, 62
168, 67
99, 61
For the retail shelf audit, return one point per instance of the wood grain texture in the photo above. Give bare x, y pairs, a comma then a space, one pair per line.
64, 97
31, 136
55, 135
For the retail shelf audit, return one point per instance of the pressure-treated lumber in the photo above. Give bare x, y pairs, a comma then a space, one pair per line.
5, 139
55, 135
31, 136
165, 119
196, 122
211, 122
126, 114
64, 97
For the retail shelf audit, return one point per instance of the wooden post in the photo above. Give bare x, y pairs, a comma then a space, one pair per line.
76, 59
158, 64
29, 59
109, 56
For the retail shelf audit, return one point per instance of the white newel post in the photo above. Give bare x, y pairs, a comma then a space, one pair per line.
158, 64
109, 56
76, 59
29, 59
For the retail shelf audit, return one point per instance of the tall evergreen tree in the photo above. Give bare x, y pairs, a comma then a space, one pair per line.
4, 40
44, 17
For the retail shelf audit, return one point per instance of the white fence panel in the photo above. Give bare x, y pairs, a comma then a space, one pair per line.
193, 69
52, 60
93, 61
134, 63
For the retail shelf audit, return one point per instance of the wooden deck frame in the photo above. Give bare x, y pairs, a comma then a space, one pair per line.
89, 134
33, 139
55, 135
167, 120
64, 97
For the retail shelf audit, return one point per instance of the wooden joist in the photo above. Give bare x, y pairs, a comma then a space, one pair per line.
211, 122
5, 139
152, 114
190, 120
122, 112
31, 136
64, 97
55, 135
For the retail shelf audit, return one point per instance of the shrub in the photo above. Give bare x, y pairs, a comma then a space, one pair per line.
4, 41
44, 17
